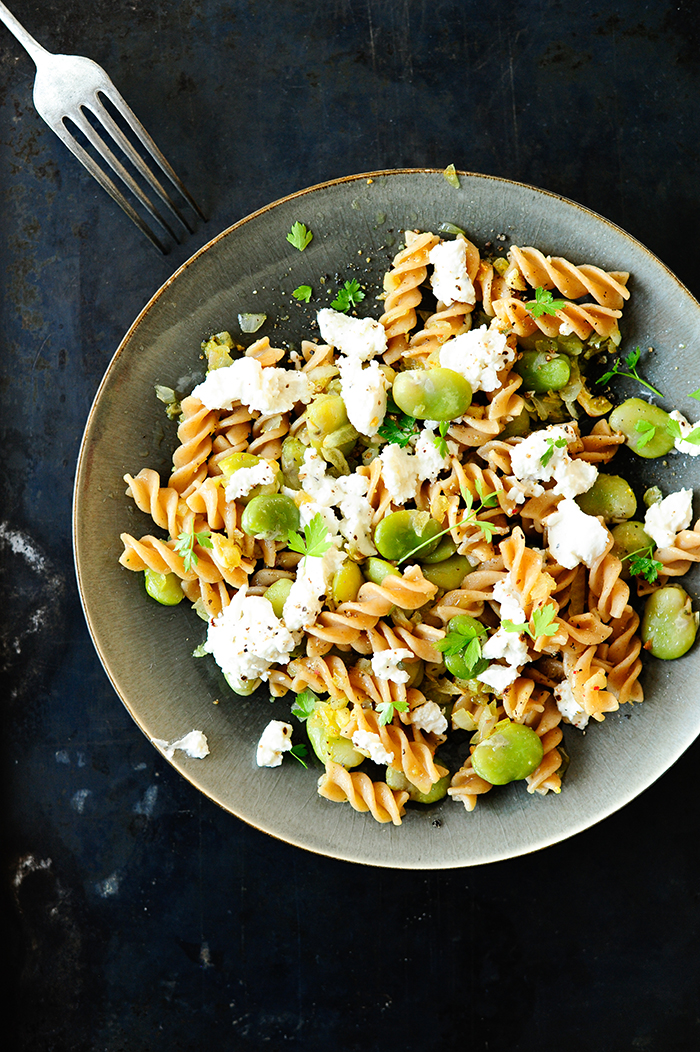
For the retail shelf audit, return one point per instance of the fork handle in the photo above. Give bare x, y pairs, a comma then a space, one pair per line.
26, 39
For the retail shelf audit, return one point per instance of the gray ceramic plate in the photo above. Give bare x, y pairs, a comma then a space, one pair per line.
146, 648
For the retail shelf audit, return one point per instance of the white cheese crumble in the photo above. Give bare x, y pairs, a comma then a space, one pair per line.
450, 281
508, 645
691, 448
429, 718
275, 740
371, 745
574, 537
385, 664
246, 638
194, 744
509, 596
242, 481
347, 493
479, 356
663, 521
363, 389
499, 677
568, 705
267, 391
571, 476
359, 338
314, 576
404, 469
430, 460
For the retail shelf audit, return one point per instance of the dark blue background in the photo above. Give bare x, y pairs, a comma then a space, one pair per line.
139, 916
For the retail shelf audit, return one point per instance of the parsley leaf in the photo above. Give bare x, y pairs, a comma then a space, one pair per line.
439, 440
487, 500
398, 428
695, 394
647, 431
349, 296
559, 443
185, 543
642, 563
316, 540
302, 293
465, 641
541, 623
630, 363
674, 429
299, 236
297, 751
386, 710
544, 303
304, 704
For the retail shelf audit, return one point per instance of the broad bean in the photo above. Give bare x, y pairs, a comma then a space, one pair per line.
270, 517
400, 532
629, 537
347, 582
165, 588
323, 730
328, 424
638, 420
610, 496
511, 752
444, 550
543, 372
669, 625
375, 570
291, 460
278, 593
448, 574
518, 426
398, 780
235, 461
245, 689
432, 394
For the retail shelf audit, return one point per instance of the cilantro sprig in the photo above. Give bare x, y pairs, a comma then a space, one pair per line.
629, 370
540, 624
643, 563
297, 751
544, 303
695, 394
304, 704
440, 440
302, 293
185, 543
647, 432
674, 429
469, 518
348, 296
316, 540
398, 427
552, 444
299, 236
464, 640
386, 710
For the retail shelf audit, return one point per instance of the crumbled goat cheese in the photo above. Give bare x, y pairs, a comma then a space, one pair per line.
499, 677
479, 355
450, 281
246, 638
691, 448
568, 705
507, 593
429, 718
574, 537
508, 645
347, 493
244, 480
430, 460
519, 489
268, 390
275, 740
314, 576
360, 338
571, 476
363, 389
385, 664
663, 521
403, 469
193, 744
371, 745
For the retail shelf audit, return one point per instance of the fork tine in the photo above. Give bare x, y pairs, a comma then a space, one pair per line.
134, 123
82, 123
106, 183
106, 119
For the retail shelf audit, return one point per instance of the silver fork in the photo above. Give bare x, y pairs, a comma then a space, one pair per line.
69, 86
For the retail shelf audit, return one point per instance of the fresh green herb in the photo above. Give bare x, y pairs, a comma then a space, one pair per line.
643, 564
487, 500
630, 364
559, 443
465, 641
398, 428
304, 704
544, 303
450, 174
299, 236
297, 751
439, 440
646, 430
674, 429
349, 296
316, 540
386, 710
302, 293
541, 623
185, 543
695, 394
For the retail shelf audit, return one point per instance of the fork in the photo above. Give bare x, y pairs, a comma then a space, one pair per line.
66, 88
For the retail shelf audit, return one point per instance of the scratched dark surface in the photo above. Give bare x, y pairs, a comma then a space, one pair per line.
139, 916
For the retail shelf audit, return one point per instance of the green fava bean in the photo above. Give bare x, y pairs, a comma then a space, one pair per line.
510, 753
278, 593
543, 372
644, 427
243, 689
444, 550
519, 425
270, 517
629, 537
328, 424
448, 574
291, 459
165, 588
375, 570
400, 532
610, 496
432, 394
329, 746
235, 461
398, 780
669, 625
347, 582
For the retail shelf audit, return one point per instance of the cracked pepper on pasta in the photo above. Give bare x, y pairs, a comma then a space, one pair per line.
412, 526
